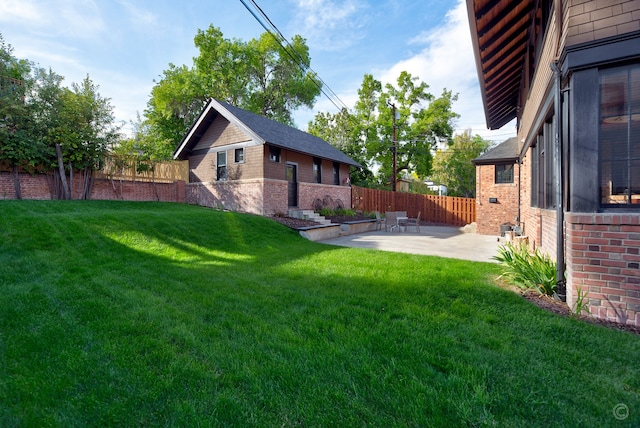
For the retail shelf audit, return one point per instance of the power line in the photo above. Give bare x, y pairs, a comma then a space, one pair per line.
289, 49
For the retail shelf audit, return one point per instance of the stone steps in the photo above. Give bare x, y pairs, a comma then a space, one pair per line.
309, 215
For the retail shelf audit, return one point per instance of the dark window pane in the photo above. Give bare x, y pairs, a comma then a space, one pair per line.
504, 174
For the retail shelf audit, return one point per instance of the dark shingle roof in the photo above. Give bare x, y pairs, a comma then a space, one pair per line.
507, 151
267, 130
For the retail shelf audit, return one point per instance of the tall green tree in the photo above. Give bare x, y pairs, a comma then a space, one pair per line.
77, 124
420, 121
260, 76
454, 168
18, 147
342, 131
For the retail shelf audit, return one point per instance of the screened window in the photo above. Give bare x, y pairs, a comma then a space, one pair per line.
274, 154
317, 170
221, 166
504, 173
336, 173
619, 137
238, 155
543, 169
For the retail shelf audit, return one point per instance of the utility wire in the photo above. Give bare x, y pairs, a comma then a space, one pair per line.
282, 41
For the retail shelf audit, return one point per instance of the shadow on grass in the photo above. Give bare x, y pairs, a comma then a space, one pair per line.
148, 314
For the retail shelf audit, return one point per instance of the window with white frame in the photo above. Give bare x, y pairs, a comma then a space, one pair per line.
221, 166
238, 155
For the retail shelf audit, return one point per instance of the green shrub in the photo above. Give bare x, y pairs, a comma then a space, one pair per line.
527, 270
327, 212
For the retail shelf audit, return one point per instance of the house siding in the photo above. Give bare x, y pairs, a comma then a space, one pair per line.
594, 20
221, 132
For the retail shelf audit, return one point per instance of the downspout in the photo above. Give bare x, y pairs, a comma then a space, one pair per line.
557, 106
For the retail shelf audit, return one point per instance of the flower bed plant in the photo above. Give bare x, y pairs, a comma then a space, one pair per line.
527, 270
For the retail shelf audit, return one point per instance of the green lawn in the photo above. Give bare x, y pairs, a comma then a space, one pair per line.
147, 314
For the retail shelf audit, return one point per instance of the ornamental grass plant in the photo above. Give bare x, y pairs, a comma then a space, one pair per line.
526, 269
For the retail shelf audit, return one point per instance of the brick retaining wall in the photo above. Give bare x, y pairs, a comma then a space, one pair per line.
41, 186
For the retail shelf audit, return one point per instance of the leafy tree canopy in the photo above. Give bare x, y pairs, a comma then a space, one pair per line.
454, 167
43, 124
367, 132
260, 76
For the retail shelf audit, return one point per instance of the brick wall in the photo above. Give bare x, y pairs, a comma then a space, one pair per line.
41, 186
263, 196
31, 186
234, 195
489, 216
603, 259
309, 192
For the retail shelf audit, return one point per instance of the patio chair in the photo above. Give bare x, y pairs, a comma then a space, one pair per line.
379, 221
390, 221
401, 219
414, 222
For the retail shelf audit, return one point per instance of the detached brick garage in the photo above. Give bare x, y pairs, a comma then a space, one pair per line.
241, 161
497, 188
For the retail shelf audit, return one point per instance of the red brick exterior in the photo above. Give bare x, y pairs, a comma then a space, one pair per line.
489, 216
41, 186
261, 196
603, 260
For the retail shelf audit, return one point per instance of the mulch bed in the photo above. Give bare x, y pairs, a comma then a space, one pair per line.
544, 302
561, 308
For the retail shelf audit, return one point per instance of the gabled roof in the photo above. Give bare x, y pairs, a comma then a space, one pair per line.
507, 151
262, 131
500, 32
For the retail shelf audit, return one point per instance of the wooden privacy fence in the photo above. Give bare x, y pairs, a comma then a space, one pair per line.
164, 172
434, 209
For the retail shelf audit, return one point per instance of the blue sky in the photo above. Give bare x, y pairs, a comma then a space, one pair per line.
123, 45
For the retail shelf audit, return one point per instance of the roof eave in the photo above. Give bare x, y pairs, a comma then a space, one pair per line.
476, 53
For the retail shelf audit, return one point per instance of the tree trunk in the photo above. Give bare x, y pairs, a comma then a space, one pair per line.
153, 183
16, 182
63, 175
88, 184
70, 180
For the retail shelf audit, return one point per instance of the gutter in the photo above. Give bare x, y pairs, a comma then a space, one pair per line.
557, 106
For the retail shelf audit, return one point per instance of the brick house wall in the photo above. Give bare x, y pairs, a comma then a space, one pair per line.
603, 260
490, 216
601, 243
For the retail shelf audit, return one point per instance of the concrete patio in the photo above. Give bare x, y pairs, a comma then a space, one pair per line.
441, 241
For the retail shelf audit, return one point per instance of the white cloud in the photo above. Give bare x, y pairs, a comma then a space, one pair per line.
447, 61
138, 16
330, 25
20, 10
80, 19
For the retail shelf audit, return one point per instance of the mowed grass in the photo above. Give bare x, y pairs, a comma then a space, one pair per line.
152, 314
